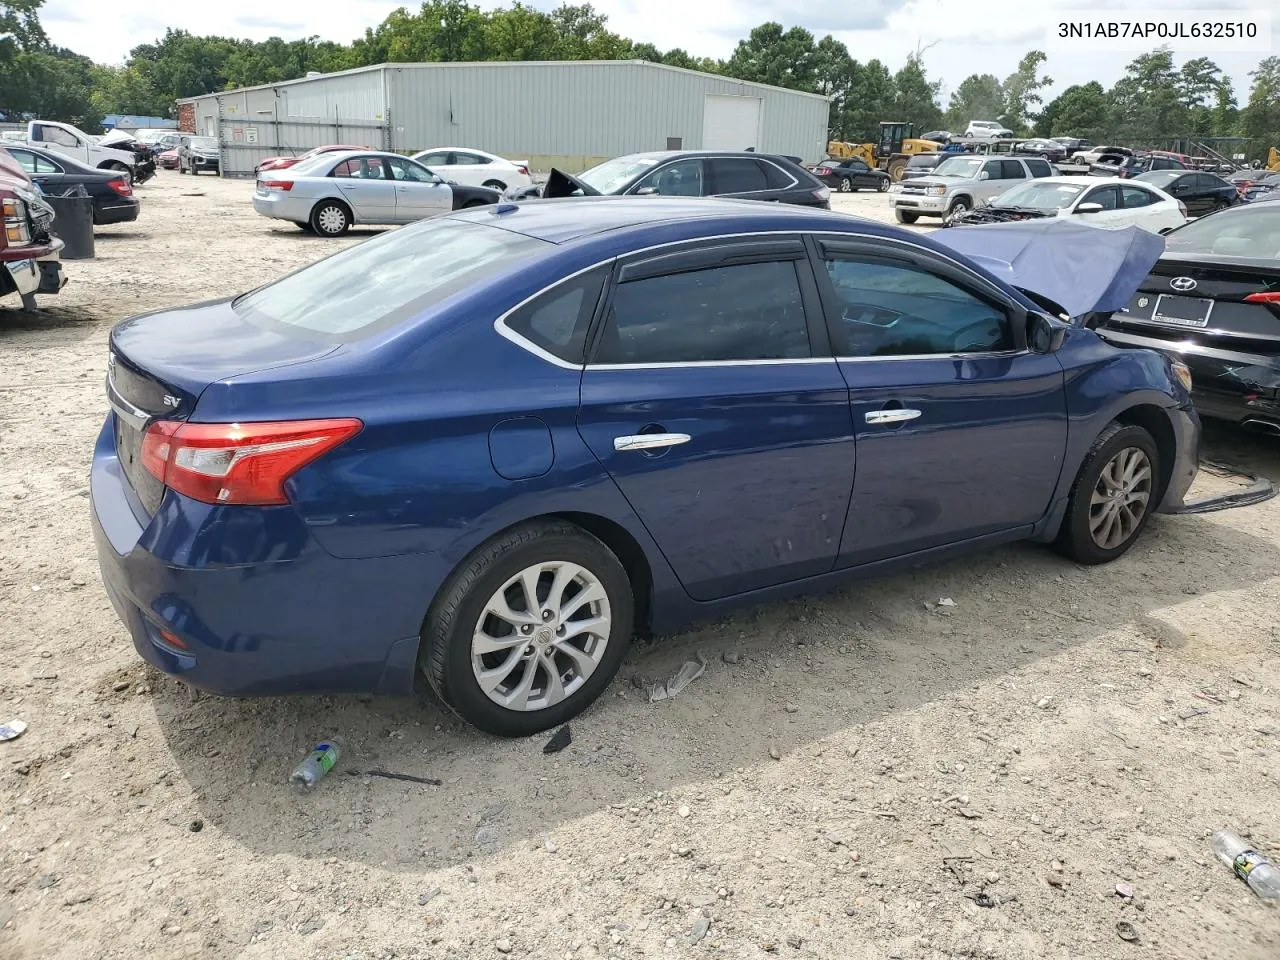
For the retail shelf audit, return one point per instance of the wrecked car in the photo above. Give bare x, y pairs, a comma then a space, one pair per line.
29, 255
1099, 203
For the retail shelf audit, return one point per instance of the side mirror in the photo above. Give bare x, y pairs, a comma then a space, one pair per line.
1090, 207
1043, 334
984, 175
647, 192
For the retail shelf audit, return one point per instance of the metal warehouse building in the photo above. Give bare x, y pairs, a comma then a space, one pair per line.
569, 114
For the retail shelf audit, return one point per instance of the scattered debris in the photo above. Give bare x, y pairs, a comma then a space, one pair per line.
700, 927
486, 835
1043, 703
558, 742
13, 729
550, 846
791, 708
425, 898
1191, 712
969, 814
1056, 880
731, 656
688, 673
775, 753
503, 946
1248, 863
1124, 890
314, 765
120, 686
1126, 931
946, 602
391, 775
47, 880
683, 811
982, 899
795, 943
195, 826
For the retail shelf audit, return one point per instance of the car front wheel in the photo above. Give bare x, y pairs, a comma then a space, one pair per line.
530, 630
906, 216
1113, 496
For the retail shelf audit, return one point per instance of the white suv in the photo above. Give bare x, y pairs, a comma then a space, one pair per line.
987, 128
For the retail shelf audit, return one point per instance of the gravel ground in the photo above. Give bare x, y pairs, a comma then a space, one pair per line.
866, 774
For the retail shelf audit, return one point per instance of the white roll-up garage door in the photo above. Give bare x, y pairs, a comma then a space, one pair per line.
730, 123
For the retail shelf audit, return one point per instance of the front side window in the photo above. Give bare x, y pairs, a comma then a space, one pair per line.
891, 310
410, 171
750, 311
738, 175
1107, 196
63, 138
680, 179
613, 176
992, 169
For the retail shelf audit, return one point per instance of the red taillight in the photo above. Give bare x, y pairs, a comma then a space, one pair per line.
823, 171
1182, 209
285, 185
121, 186
1270, 296
523, 170
239, 463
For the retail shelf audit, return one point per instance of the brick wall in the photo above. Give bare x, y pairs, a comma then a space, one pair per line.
187, 117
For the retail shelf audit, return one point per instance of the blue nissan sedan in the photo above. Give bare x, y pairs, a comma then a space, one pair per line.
487, 448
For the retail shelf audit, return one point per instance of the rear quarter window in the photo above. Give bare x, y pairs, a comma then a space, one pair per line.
386, 280
557, 320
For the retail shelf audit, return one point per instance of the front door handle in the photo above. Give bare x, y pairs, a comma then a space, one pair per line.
895, 415
650, 441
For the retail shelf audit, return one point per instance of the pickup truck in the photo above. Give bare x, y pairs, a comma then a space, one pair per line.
29, 256
72, 142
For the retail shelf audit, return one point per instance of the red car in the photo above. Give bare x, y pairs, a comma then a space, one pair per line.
29, 254
168, 160
279, 163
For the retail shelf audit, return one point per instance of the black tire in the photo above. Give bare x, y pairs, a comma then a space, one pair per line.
445, 653
846, 185
495, 185
304, 227
1220, 205
331, 218
905, 216
1075, 538
959, 206
181, 168
882, 185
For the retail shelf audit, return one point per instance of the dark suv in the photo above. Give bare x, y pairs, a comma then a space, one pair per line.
702, 173
1132, 166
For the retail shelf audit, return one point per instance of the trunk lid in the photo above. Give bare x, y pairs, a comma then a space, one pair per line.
160, 363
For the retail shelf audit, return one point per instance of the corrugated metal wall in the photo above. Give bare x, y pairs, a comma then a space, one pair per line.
582, 110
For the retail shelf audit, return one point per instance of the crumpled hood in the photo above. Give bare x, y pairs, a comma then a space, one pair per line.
1083, 269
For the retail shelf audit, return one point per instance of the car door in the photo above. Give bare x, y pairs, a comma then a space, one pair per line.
1108, 196
468, 168
419, 192
961, 431
740, 177
991, 187
709, 400
1203, 198
365, 183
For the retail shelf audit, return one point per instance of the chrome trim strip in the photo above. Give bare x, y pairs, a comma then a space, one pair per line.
890, 416
650, 441
136, 416
499, 325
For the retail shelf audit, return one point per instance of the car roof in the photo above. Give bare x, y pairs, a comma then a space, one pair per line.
565, 219
458, 150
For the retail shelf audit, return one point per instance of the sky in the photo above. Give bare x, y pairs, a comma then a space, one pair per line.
959, 37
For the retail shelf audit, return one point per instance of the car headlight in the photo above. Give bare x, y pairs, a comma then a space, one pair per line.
937, 191
1182, 372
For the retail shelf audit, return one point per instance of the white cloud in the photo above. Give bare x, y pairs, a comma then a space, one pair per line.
980, 36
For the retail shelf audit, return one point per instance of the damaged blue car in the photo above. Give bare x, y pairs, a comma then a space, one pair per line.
482, 451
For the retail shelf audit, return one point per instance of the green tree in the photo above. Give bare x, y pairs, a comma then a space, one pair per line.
521, 33
1260, 118
979, 97
916, 97
871, 98
51, 83
1082, 110
1199, 81
1022, 92
1147, 102
584, 35
783, 58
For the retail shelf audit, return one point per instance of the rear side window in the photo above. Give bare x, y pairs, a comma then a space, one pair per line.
748, 311
557, 320
435, 160
1012, 170
737, 176
385, 280
1039, 168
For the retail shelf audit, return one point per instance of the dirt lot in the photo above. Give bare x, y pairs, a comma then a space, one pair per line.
847, 779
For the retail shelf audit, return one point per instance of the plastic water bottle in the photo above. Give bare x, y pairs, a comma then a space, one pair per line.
1249, 865
315, 765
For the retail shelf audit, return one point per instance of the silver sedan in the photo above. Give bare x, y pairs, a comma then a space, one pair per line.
331, 192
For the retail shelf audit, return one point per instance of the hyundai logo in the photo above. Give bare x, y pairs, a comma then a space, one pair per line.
1182, 284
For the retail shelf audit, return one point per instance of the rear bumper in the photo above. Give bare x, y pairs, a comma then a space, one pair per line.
281, 206
258, 607
124, 210
40, 273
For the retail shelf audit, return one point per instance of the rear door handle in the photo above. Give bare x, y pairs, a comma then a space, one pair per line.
896, 415
650, 441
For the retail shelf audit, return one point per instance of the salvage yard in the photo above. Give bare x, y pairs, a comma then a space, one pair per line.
868, 774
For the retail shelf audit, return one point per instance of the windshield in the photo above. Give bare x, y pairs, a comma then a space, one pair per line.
612, 175
385, 280
1244, 233
1038, 195
959, 167
1159, 178
203, 143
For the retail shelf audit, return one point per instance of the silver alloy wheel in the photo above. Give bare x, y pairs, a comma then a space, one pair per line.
846, 185
332, 219
541, 636
1120, 498
883, 185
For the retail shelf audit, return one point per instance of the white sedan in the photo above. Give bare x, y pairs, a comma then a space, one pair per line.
1107, 202
476, 167
331, 191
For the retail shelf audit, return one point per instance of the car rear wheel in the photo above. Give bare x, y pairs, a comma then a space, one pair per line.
906, 216
1113, 496
1220, 205
330, 218
495, 185
529, 630
846, 185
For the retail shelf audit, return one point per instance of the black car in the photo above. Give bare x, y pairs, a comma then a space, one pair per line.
112, 193
922, 164
704, 173
1213, 300
1051, 150
1200, 193
1073, 144
851, 174
938, 136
